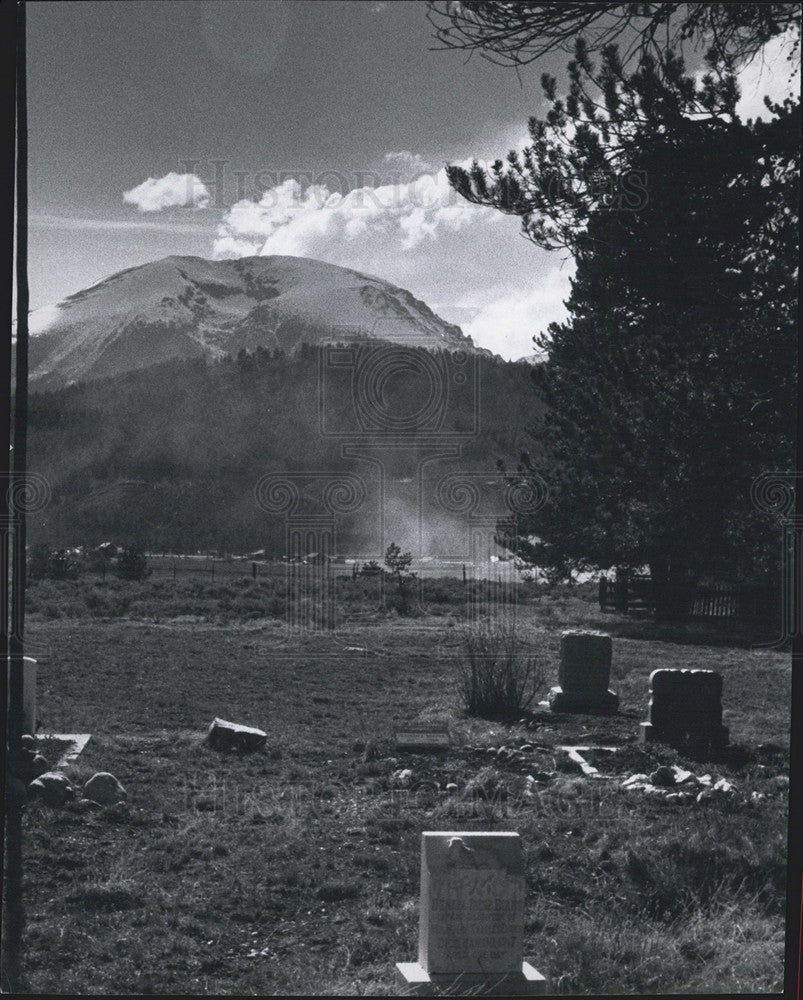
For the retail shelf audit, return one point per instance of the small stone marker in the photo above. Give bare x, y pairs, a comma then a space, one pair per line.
424, 736
584, 675
224, 735
471, 930
685, 705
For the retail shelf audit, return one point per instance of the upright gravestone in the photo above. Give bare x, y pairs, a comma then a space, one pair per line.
471, 930
685, 707
584, 675
28, 694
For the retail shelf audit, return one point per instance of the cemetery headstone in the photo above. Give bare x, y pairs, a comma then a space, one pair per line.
423, 736
584, 675
28, 694
685, 706
471, 929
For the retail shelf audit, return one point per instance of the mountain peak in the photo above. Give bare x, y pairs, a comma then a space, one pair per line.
185, 306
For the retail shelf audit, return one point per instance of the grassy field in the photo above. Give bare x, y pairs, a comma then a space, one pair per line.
295, 869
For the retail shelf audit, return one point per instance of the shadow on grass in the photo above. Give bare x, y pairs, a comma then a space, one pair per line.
692, 634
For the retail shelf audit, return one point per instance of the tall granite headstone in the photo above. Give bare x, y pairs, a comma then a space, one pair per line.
685, 707
471, 930
584, 675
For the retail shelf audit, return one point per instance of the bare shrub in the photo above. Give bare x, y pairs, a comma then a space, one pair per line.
496, 679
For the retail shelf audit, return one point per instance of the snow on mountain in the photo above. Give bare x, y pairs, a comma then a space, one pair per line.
182, 307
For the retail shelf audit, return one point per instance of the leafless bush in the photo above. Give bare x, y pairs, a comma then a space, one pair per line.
496, 679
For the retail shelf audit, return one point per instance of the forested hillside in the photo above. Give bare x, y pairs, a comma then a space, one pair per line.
169, 457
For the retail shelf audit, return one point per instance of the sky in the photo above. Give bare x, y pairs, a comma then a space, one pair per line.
223, 128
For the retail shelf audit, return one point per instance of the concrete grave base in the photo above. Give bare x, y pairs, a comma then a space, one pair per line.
589, 702
715, 737
416, 981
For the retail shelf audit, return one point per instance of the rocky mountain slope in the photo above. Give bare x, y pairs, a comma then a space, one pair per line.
185, 307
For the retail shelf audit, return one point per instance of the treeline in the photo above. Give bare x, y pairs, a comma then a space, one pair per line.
168, 458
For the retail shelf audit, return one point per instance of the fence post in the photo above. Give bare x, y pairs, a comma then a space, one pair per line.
254, 570
603, 592
620, 586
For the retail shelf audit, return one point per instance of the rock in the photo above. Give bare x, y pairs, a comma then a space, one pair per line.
451, 788
28, 742
104, 789
224, 735
663, 776
118, 812
52, 787
527, 748
82, 806
721, 789
26, 765
635, 779
402, 778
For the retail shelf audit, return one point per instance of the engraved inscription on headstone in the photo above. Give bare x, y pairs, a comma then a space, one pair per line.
471, 931
685, 705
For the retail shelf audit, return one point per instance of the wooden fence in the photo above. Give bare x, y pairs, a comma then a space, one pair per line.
720, 601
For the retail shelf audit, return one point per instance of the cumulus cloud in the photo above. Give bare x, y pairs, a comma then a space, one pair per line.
407, 164
507, 323
467, 262
171, 191
314, 221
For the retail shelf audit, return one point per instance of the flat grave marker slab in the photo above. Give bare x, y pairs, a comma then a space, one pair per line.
423, 736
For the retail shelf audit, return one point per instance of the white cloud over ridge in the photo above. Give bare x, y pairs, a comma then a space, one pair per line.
467, 261
171, 191
290, 219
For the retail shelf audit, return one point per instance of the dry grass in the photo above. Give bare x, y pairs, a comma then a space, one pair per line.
295, 870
